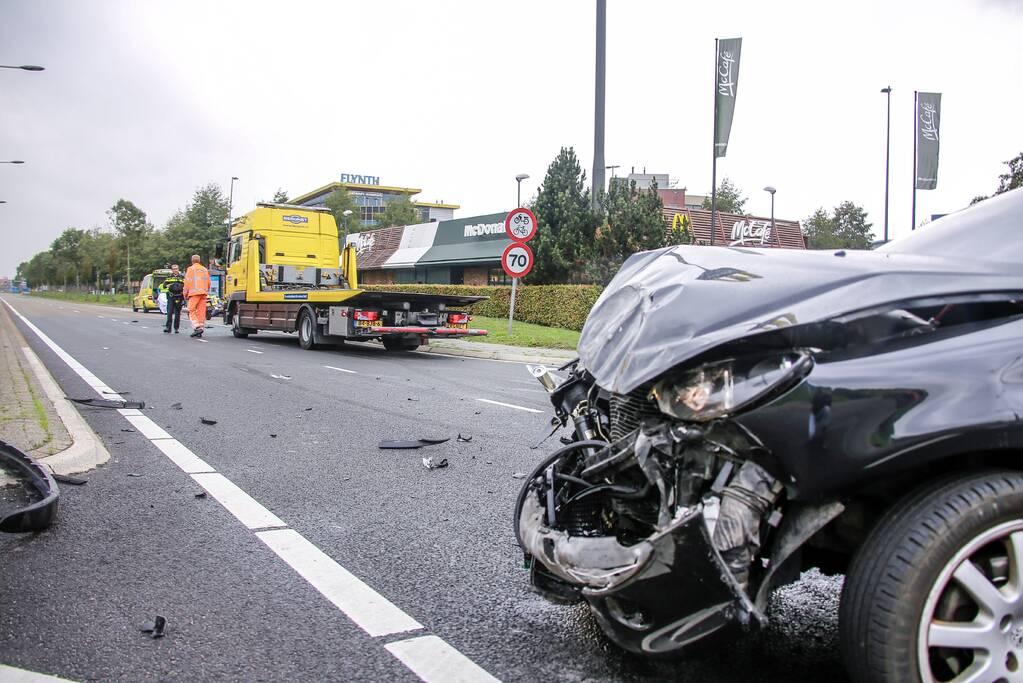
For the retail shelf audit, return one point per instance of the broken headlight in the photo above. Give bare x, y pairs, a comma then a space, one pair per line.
727, 386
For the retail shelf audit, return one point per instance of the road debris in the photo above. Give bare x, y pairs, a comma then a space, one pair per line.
68, 479
464, 439
207, 421
432, 464
176, 406
519, 475
417, 443
155, 628
107, 403
411, 399
281, 376
201, 494
134, 474
127, 429
273, 436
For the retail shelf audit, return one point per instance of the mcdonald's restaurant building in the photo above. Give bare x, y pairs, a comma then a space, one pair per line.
692, 226
448, 252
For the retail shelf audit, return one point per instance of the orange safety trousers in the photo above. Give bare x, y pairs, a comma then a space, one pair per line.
197, 310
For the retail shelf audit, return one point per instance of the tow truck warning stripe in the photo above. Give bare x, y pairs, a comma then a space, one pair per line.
369, 610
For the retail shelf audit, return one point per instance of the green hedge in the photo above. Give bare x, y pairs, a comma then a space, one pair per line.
563, 306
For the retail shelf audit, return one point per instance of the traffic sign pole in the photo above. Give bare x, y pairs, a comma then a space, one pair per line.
511, 309
517, 259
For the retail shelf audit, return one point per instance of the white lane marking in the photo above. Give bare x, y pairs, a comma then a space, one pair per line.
432, 659
12, 674
205, 341
509, 405
181, 456
372, 612
331, 367
240, 504
253, 351
296, 543
147, 427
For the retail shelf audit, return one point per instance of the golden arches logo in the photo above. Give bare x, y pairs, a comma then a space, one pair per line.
681, 228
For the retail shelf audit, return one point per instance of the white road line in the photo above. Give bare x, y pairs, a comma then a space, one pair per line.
240, 504
11, 674
509, 405
253, 351
181, 456
372, 612
432, 659
350, 372
207, 341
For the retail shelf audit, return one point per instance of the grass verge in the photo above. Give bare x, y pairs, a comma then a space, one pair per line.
523, 334
108, 299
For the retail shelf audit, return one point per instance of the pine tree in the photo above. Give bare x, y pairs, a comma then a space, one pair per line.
566, 223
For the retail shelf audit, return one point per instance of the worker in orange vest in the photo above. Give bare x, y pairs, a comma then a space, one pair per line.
197, 289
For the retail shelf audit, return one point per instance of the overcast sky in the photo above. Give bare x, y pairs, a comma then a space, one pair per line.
150, 100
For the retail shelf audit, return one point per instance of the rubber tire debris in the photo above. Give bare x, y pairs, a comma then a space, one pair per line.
68, 479
431, 464
107, 403
207, 421
155, 628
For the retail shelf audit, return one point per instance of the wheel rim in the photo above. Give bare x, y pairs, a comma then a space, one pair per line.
306, 329
972, 623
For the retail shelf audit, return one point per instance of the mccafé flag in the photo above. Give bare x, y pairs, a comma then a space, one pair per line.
726, 82
928, 119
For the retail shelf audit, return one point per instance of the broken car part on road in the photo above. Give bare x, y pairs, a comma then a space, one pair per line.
29, 489
742, 414
107, 403
417, 443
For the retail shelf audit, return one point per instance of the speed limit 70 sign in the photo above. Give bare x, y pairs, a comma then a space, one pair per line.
520, 225
517, 260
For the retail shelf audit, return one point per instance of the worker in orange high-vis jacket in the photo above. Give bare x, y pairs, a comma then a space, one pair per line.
197, 289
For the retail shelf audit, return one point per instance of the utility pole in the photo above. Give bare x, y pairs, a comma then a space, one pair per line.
887, 158
598, 106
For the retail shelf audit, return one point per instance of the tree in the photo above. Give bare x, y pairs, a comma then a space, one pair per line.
845, 228
633, 223
398, 211
340, 201
729, 198
567, 224
197, 229
129, 222
66, 254
280, 197
1007, 181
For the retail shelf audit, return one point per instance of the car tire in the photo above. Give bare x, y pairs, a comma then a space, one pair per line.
134, 308
306, 327
945, 564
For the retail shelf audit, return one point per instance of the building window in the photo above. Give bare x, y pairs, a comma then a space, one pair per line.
497, 276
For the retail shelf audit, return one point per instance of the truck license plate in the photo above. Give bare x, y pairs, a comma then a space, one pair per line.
459, 326
368, 323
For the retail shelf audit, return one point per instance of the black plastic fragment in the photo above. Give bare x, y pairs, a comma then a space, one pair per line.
39, 515
201, 494
107, 403
207, 421
464, 439
273, 436
127, 429
68, 479
417, 443
156, 627
176, 406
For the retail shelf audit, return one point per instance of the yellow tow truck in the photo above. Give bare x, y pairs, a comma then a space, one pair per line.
282, 273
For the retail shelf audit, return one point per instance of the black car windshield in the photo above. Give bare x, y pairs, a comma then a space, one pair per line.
989, 231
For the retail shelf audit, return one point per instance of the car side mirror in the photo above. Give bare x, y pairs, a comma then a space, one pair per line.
218, 249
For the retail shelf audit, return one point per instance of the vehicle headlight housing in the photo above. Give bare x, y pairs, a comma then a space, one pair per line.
728, 386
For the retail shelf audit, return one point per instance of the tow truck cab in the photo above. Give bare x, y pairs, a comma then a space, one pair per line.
282, 273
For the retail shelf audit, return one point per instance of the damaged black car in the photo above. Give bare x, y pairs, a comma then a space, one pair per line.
740, 415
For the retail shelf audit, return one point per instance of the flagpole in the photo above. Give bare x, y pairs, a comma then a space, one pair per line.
714, 151
916, 115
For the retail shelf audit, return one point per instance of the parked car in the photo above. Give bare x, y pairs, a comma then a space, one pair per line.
743, 414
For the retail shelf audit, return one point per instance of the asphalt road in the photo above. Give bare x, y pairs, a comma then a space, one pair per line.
437, 544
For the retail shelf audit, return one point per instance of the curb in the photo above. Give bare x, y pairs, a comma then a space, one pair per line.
527, 355
86, 450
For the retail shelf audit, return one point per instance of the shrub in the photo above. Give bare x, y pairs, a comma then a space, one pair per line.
564, 306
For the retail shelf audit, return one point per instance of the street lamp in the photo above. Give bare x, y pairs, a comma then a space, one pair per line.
887, 157
23, 67
230, 201
518, 179
774, 232
12, 162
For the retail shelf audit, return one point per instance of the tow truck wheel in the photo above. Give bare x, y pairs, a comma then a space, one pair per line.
935, 593
306, 330
236, 326
403, 343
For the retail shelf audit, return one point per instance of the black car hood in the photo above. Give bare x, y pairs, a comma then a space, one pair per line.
666, 306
